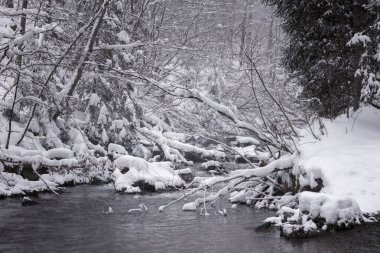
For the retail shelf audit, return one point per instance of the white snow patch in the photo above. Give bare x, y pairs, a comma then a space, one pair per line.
334, 209
116, 149
159, 174
247, 140
209, 164
192, 206
183, 171
59, 153
348, 158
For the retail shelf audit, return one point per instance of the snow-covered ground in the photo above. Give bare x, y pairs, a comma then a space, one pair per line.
347, 158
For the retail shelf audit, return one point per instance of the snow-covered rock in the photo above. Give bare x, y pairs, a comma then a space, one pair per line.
317, 212
142, 152
211, 165
115, 149
248, 153
28, 202
214, 167
335, 210
158, 175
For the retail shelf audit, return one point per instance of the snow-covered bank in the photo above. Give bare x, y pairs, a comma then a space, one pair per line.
347, 158
94, 171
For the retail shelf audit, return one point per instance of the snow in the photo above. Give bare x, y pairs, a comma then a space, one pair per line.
192, 206
317, 212
103, 115
13, 184
19, 151
175, 136
247, 140
124, 37
115, 148
52, 132
34, 126
247, 152
105, 137
94, 100
334, 209
183, 171
119, 124
359, 38
347, 158
59, 153
169, 147
126, 47
109, 211
79, 143
159, 174
209, 164
141, 151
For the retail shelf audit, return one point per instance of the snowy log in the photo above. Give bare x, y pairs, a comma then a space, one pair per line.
184, 147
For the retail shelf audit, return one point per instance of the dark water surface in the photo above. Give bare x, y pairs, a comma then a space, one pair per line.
76, 222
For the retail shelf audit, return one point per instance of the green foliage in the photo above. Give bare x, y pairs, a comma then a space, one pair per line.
318, 51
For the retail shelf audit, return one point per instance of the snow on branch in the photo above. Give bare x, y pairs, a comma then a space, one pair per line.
31, 99
227, 112
167, 143
233, 180
38, 160
30, 34
359, 38
127, 47
12, 12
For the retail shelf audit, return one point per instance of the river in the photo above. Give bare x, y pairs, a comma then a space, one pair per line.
76, 221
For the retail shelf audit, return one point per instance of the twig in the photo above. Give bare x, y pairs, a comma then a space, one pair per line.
43, 180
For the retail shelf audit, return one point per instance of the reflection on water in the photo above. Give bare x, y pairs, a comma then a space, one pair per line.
75, 222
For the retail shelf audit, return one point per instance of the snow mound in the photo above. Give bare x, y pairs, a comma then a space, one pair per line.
59, 153
115, 149
183, 171
317, 212
334, 210
159, 175
247, 140
211, 164
347, 158
142, 152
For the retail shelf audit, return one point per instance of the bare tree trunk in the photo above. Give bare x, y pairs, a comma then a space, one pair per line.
17, 82
357, 82
88, 50
242, 39
56, 65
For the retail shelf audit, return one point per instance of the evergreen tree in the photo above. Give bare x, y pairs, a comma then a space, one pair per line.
368, 41
319, 52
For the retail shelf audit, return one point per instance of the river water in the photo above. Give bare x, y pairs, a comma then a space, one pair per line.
76, 222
